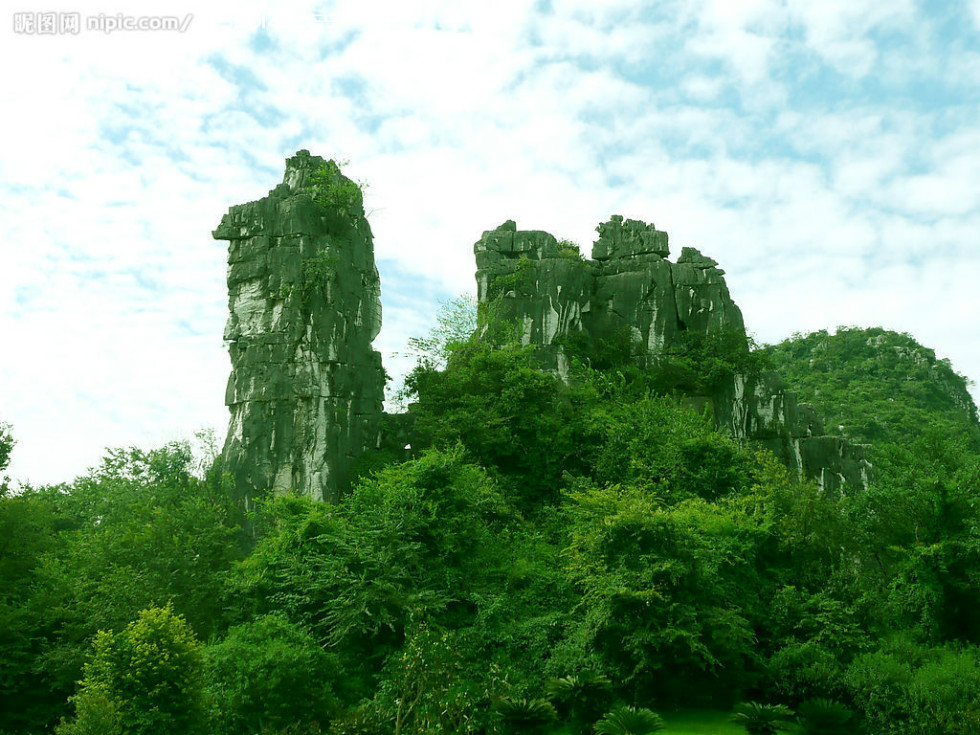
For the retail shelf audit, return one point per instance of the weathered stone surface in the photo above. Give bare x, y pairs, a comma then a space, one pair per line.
619, 238
629, 287
306, 387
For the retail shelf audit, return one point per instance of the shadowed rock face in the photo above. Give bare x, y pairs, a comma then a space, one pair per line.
630, 287
306, 387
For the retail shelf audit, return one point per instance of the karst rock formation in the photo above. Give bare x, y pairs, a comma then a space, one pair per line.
629, 287
306, 387
304, 297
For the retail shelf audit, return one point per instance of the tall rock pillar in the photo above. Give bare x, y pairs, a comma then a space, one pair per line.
306, 386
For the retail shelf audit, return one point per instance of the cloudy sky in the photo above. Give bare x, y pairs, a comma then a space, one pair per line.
826, 153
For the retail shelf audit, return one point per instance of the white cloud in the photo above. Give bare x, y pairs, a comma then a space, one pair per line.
459, 117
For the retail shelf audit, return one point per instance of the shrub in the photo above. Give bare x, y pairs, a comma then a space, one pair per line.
625, 720
145, 679
580, 699
762, 719
524, 716
824, 717
270, 673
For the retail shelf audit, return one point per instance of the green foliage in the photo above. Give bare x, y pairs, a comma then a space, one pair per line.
873, 385
456, 323
660, 586
922, 535
7, 443
147, 678
658, 443
29, 525
519, 280
825, 717
416, 541
269, 673
591, 541
524, 716
319, 272
570, 250
762, 719
334, 191
703, 363
139, 531
905, 687
511, 417
428, 687
580, 699
96, 713
625, 720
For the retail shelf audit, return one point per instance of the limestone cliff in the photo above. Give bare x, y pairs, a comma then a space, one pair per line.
306, 387
629, 287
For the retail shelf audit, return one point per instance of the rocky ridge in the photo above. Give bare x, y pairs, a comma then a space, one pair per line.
306, 388
629, 286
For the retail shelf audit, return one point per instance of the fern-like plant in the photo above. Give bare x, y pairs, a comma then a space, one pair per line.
530, 716
762, 719
625, 720
580, 699
824, 717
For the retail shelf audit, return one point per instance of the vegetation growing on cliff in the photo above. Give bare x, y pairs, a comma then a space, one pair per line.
875, 386
552, 558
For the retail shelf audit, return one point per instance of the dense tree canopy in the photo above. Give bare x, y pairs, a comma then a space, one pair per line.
551, 556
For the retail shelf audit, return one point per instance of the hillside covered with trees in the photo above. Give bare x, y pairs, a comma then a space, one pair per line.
553, 557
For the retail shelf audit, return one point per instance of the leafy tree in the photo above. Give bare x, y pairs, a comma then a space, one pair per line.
921, 536
429, 686
909, 687
704, 363
419, 538
511, 417
269, 673
341, 196
666, 446
456, 323
661, 586
138, 532
30, 522
6, 445
144, 679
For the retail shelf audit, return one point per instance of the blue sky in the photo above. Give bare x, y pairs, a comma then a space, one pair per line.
826, 154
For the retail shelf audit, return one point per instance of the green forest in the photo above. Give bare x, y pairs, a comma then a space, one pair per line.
551, 557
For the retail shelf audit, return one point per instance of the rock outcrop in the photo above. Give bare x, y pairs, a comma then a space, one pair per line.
555, 296
306, 387
628, 287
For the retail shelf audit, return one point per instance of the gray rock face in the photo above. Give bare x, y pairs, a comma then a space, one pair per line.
630, 288
306, 387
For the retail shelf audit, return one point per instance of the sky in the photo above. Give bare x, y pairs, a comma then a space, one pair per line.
827, 154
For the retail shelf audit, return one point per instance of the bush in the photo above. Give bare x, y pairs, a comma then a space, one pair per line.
626, 720
145, 679
824, 717
580, 699
762, 719
270, 673
524, 716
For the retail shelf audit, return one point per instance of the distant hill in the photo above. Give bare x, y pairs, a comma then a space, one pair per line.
873, 385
